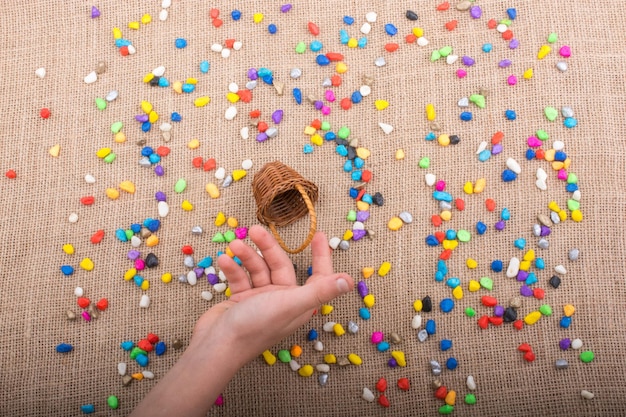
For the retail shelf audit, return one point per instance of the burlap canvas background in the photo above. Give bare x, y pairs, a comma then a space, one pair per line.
34, 209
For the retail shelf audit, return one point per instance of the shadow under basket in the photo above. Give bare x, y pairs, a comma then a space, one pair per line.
283, 196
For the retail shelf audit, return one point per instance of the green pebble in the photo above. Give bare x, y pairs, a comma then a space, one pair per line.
551, 113
445, 51
470, 399
326, 126
116, 127
573, 205
343, 132
506, 22
424, 162
136, 351
351, 217
113, 402
586, 356
301, 48
218, 238
546, 310
486, 283
229, 235
572, 178
180, 186
470, 312
284, 356
101, 103
463, 235
542, 135
110, 158
435, 56
446, 409
478, 100
553, 37
129, 234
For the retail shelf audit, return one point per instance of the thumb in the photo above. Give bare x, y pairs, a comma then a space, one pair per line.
313, 294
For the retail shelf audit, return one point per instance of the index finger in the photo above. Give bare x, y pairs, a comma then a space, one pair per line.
281, 268
322, 261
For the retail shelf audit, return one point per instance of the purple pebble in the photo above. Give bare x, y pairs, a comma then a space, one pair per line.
522, 275
133, 254
94, 12
212, 278
159, 170
392, 363
514, 44
361, 216
496, 149
476, 12
285, 8
362, 289
545, 231
253, 74
498, 311
500, 225
261, 137
160, 196
526, 291
142, 118
565, 343
468, 61
318, 105
358, 234
277, 116
505, 63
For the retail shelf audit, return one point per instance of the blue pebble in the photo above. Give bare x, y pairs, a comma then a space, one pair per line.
309, 270
430, 136
142, 360
308, 148
358, 162
152, 224
205, 262
530, 154
312, 335
219, 253
487, 47
446, 305
344, 38
235, 15
135, 227
441, 266
146, 126
442, 196
364, 313
439, 276
176, 117
571, 188
531, 279
367, 198
316, 46
510, 114
154, 158
560, 156
391, 29
204, 67
88, 408
520, 243
180, 43
138, 280
466, 116
512, 13
330, 136
127, 345
570, 122
481, 228
450, 234
64, 348
237, 261
147, 151
505, 214
188, 88
508, 175
445, 344
160, 348
356, 97
297, 95
431, 327
497, 265
120, 234
453, 282
268, 79
68, 269
452, 363
356, 175
348, 20
271, 28
383, 346
565, 322
354, 193
431, 240
163, 82
341, 150
347, 166
484, 155
540, 263
362, 43
322, 60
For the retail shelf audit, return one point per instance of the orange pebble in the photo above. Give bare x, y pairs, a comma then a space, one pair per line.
217, 22
490, 204
334, 56
335, 80
366, 175
540, 154
296, 351
391, 47
245, 96
97, 237
152, 338
209, 164
316, 124
440, 236
102, 304
443, 6
410, 38
145, 345
346, 103
451, 25
497, 138
436, 220
163, 151
83, 302
11, 174
124, 51
445, 255
255, 113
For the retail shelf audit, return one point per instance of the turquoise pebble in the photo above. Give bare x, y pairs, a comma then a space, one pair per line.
362, 43
531, 279
367, 198
204, 67
453, 282
439, 276
67, 269
188, 88
442, 196
441, 266
358, 163
540, 263
120, 234
347, 166
570, 122
356, 175
237, 260
308, 148
520, 243
205, 262
383, 346
450, 234
180, 43
487, 47
343, 36
431, 136
316, 46
506, 214
142, 360
87, 408
364, 313
127, 345
484, 155
138, 280
163, 82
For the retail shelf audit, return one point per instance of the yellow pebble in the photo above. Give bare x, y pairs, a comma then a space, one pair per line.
138, 376
201, 101
568, 310
269, 357
362, 206
443, 139
395, 223
445, 215
306, 371
329, 358
228, 251
553, 205
326, 309
471, 263
529, 255
212, 189
87, 264
166, 277
562, 215
532, 318
339, 330
130, 274
148, 77
528, 74
232, 222
543, 51
473, 285
55, 150
239, 174
146, 106
145, 285
418, 32
191, 80
577, 216
567, 163
152, 240
355, 359
347, 235
232, 97
112, 193
120, 137
146, 18
400, 154
309, 130
430, 112
468, 188
524, 265
133, 25
186, 205
317, 140
103, 152
417, 305
153, 117
557, 165
450, 244
352, 43
177, 86
127, 186
68, 248
479, 187
457, 292
367, 271
341, 68
399, 357
220, 219
369, 300
193, 144
384, 269
381, 104
450, 397
363, 153
228, 292
549, 155
257, 17
117, 33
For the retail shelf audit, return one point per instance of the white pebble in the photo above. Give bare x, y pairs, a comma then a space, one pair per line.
220, 173
192, 278
188, 261
163, 15
246, 164
245, 132
514, 166
318, 345
221, 276
430, 179
230, 113
225, 53
576, 195
451, 59
471, 384
145, 301
365, 90
368, 395
251, 85
327, 82
463, 102
422, 335
121, 368
385, 127
366, 28
237, 45
513, 267
380, 61
406, 217
271, 132
501, 28
112, 95
78, 292
294, 365
165, 127
295, 73
371, 17
92, 77
166, 3
322, 367
541, 184
135, 241
586, 394
558, 145
90, 179
334, 242
216, 47
158, 71
73, 218
131, 50
481, 147
163, 208
560, 269
233, 87
147, 374
422, 41
220, 287
416, 323
541, 174
358, 226
206, 295
577, 344
40, 72
561, 66
567, 111
209, 270
328, 326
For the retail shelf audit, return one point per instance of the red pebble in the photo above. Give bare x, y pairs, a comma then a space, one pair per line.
491, 24
497, 138
313, 28
489, 301
187, 250
483, 322
11, 174
346, 103
443, 6
490, 204
245, 95
214, 13
391, 47
209, 164
366, 175
460, 204
529, 356
124, 51
440, 236
44, 113
436, 220
540, 154
145, 345
262, 126
441, 392
217, 22
382, 400
83, 302
539, 293
163, 151
445, 255
404, 384
507, 35
360, 195
316, 124
102, 304
496, 321
152, 338
97, 237
197, 161
451, 25
524, 347
88, 200
381, 385
229, 43
334, 56
335, 80
410, 38
518, 324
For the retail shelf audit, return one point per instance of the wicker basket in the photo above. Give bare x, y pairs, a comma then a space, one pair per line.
282, 197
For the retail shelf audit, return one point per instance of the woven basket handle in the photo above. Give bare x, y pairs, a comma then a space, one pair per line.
312, 228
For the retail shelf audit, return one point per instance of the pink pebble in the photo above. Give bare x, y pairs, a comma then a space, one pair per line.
461, 73
330, 95
139, 264
241, 232
440, 185
219, 401
534, 142
377, 337
86, 315
512, 80
325, 110
562, 175
565, 51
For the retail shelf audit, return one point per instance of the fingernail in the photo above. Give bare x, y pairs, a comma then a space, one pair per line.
342, 285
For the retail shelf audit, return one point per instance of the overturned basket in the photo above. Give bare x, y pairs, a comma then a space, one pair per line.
282, 197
